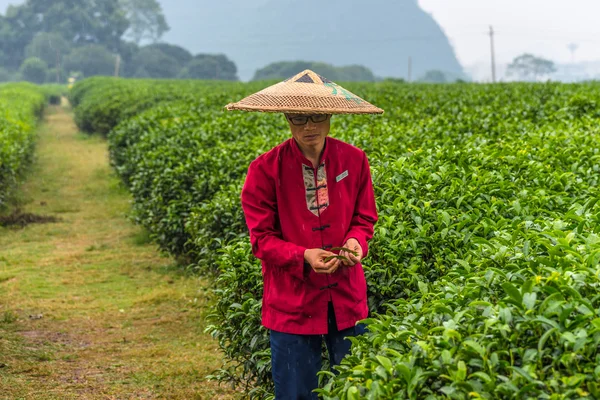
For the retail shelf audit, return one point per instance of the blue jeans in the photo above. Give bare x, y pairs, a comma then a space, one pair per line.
296, 359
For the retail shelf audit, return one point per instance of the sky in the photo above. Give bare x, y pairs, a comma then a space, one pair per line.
542, 27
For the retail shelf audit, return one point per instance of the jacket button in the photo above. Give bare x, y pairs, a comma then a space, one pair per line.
309, 316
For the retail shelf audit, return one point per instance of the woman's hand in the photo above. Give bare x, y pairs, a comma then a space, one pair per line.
316, 259
352, 244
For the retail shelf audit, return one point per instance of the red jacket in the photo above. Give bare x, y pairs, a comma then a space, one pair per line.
290, 207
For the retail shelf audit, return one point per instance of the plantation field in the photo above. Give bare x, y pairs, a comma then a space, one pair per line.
483, 274
20, 106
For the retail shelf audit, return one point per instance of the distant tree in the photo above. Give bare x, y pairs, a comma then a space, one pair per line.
5, 76
80, 22
91, 60
227, 69
34, 70
282, 70
208, 66
180, 54
394, 80
146, 18
141, 73
355, 73
529, 67
153, 63
13, 38
56, 75
434, 76
285, 69
51, 48
128, 50
3, 58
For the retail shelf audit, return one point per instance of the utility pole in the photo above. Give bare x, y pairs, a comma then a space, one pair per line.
493, 54
409, 68
117, 65
57, 66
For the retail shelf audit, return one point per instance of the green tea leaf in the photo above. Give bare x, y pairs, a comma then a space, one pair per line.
387, 364
353, 393
513, 292
529, 300
544, 338
475, 347
342, 258
354, 253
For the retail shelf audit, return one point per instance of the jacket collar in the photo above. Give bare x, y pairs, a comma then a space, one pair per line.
298, 153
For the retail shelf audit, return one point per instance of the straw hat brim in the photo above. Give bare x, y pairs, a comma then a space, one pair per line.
306, 93
301, 110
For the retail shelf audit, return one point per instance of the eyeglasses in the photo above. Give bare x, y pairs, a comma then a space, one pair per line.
303, 119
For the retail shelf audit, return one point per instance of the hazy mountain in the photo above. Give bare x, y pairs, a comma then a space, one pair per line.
379, 34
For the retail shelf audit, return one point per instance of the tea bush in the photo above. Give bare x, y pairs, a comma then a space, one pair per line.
101, 102
20, 107
483, 271
175, 162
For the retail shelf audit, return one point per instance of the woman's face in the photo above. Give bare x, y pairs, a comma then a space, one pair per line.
310, 134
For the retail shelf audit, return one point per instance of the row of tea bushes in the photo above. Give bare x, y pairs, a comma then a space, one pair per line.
21, 105
55, 92
487, 233
499, 277
101, 103
176, 164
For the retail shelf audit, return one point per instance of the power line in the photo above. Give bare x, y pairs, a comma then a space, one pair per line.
547, 38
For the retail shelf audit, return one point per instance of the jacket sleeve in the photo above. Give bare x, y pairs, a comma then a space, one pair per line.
365, 210
259, 203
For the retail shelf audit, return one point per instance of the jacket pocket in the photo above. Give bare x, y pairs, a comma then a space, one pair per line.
285, 293
357, 283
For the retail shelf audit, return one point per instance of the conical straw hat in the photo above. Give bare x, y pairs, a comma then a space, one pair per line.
306, 93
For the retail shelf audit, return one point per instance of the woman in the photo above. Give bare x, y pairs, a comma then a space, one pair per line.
303, 200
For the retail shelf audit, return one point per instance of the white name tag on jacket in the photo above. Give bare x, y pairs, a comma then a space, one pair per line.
341, 176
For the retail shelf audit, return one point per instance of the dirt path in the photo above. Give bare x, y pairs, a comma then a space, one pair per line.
88, 307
